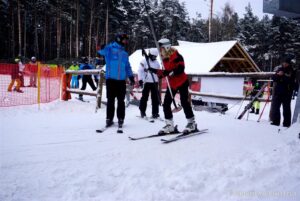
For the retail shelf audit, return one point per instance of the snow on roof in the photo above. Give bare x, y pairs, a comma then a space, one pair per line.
198, 57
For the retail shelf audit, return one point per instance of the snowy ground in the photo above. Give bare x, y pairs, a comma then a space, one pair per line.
54, 154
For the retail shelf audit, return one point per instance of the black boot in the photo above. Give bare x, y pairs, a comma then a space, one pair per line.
257, 111
120, 122
109, 122
143, 114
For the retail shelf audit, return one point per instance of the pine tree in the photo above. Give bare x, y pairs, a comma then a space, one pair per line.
248, 31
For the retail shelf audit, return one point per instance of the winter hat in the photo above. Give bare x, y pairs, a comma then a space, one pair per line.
120, 37
164, 42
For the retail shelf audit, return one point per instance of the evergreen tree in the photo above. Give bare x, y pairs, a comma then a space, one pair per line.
248, 31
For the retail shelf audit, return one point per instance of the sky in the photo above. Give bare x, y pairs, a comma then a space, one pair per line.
202, 7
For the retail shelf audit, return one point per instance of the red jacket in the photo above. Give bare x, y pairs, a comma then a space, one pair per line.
175, 65
33, 67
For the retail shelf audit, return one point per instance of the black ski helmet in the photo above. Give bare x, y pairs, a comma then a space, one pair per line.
120, 37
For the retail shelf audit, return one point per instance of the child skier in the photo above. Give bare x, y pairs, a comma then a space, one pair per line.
16, 74
74, 80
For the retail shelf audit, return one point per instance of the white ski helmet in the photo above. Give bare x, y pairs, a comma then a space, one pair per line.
33, 59
165, 43
153, 52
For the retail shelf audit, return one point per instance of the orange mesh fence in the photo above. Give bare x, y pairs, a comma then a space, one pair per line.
50, 81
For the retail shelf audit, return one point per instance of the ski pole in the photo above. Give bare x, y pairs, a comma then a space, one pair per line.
157, 46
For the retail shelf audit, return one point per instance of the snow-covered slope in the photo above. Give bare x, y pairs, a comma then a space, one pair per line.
54, 154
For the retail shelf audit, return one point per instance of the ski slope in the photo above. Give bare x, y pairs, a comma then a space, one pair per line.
54, 154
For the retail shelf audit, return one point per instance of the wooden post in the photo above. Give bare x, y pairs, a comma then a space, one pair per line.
99, 91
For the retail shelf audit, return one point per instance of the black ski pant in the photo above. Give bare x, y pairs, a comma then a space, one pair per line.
184, 100
115, 89
153, 88
277, 101
87, 79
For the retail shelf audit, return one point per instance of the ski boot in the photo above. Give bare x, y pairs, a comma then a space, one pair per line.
191, 126
109, 122
19, 91
120, 123
168, 128
120, 126
80, 97
155, 116
143, 114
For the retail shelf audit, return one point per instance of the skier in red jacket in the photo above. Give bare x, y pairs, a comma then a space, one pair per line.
174, 70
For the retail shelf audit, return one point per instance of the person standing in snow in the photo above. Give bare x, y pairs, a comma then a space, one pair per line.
283, 87
74, 80
149, 82
118, 69
86, 78
16, 74
256, 104
33, 69
174, 71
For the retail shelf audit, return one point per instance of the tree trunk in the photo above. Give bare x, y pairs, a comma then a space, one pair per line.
19, 29
106, 23
97, 46
70, 39
77, 29
45, 38
58, 32
36, 39
25, 35
13, 32
90, 27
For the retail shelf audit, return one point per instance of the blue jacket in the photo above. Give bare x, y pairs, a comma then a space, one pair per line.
86, 67
117, 62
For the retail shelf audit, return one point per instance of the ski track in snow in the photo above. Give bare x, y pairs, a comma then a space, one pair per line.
55, 154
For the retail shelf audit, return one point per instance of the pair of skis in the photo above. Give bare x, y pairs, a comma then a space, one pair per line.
179, 135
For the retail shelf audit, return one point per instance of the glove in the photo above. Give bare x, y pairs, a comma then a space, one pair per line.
166, 73
153, 70
141, 83
162, 73
132, 82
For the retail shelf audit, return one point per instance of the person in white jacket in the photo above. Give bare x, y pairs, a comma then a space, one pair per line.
149, 82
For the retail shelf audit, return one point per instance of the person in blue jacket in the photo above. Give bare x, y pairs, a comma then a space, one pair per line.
118, 69
86, 78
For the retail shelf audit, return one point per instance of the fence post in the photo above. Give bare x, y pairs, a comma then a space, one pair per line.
39, 84
66, 78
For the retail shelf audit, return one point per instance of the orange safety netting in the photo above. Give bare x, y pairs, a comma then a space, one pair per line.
35, 87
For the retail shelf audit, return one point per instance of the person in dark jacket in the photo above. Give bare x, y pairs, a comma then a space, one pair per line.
118, 69
86, 78
283, 87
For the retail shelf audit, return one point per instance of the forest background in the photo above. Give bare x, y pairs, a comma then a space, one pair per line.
64, 30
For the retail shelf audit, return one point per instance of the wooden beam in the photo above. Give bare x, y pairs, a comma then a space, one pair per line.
222, 74
232, 59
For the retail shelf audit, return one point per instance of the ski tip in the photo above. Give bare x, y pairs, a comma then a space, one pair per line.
99, 131
119, 131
